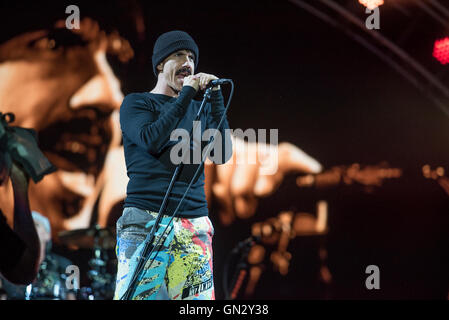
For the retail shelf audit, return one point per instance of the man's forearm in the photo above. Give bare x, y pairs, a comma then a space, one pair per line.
148, 130
23, 221
28, 265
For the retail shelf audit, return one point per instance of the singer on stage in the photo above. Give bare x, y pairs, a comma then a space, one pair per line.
183, 266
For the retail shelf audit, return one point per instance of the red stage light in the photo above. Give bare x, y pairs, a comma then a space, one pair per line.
441, 50
371, 4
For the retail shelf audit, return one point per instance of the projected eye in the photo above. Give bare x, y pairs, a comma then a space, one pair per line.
44, 44
59, 38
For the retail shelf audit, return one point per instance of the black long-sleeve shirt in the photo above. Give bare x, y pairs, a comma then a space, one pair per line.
147, 120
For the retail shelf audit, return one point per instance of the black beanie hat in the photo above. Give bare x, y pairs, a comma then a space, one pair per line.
170, 42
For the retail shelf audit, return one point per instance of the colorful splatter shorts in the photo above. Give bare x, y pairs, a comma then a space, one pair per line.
183, 266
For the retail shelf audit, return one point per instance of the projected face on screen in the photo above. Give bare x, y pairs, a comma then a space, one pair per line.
59, 83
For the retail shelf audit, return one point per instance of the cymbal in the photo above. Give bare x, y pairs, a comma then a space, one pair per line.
89, 238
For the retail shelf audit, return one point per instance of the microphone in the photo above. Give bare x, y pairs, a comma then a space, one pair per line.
217, 82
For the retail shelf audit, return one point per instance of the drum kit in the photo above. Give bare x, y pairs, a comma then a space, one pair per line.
100, 241
51, 283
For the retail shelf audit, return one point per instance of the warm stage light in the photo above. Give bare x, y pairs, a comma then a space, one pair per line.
371, 4
441, 50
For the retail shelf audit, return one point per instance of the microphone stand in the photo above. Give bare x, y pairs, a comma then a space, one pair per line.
146, 252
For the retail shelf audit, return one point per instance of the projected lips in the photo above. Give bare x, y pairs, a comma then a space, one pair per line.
79, 141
